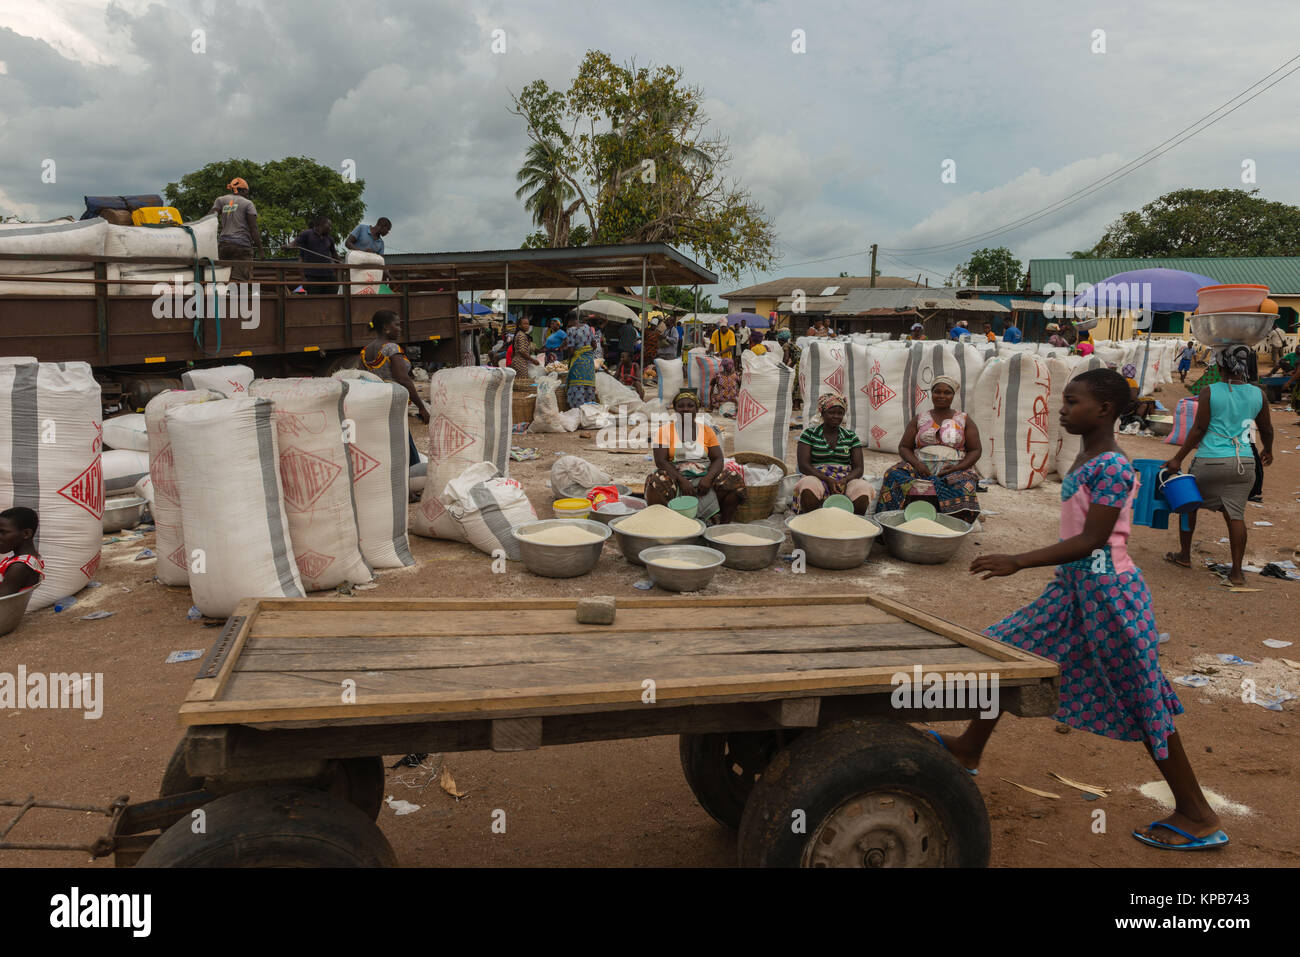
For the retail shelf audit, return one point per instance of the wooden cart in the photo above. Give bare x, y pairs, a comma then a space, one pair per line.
785, 709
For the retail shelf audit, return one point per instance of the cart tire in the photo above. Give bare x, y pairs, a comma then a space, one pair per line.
721, 768
274, 827
358, 780
873, 793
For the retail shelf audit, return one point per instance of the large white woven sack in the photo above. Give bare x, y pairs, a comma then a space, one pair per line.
228, 380
488, 508
1021, 433
172, 567
50, 444
82, 238
368, 272
126, 432
316, 476
823, 367
122, 469
381, 473
982, 412
671, 377
887, 376
546, 416
1066, 446
700, 370
232, 505
764, 406
147, 243
469, 422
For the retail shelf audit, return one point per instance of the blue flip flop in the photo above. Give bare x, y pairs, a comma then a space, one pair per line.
1217, 839
938, 737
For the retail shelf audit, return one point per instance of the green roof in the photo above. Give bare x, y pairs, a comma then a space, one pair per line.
1280, 273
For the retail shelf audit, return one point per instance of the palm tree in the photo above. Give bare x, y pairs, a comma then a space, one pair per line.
546, 190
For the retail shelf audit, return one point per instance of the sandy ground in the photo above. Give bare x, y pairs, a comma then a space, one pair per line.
625, 802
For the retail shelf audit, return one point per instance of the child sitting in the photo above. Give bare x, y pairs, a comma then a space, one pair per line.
24, 568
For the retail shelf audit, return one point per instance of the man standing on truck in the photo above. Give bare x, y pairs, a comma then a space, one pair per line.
238, 229
369, 239
316, 245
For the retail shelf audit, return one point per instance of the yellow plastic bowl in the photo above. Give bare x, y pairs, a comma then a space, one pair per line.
571, 508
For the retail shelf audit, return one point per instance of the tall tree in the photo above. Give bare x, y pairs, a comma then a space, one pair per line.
631, 144
1203, 222
288, 193
988, 267
682, 297
545, 192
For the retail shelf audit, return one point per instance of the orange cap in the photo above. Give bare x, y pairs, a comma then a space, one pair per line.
237, 183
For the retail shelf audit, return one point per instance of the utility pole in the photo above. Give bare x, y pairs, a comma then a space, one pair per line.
873, 265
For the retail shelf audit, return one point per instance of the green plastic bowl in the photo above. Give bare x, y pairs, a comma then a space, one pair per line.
842, 502
687, 505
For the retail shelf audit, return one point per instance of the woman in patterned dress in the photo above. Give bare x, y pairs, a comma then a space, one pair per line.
725, 386
581, 383
385, 358
939, 451
1095, 619
521, 355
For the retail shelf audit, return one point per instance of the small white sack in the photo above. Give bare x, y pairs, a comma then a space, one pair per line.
611, 393
228, 380
369, 274
488, 509
591, 416
546, 417
126, 432
123, 468
671, 376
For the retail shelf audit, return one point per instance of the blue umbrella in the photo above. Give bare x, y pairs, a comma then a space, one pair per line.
473, 309
752, 319
1171, 290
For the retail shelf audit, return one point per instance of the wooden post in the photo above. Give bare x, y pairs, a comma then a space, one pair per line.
644, 319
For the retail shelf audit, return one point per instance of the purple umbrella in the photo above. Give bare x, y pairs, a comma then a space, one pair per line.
753, 320
1171, 290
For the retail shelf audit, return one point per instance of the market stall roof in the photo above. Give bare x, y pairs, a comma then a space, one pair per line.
609, 265
1280, 273
863, 301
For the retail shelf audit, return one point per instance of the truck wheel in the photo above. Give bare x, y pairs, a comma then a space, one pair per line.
273, 827
722, 768
358, 780
864, 793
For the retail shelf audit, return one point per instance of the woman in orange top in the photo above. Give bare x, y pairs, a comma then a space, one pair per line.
689, 461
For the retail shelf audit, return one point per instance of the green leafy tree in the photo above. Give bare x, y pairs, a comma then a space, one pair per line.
630, 142
1204, 222
682, 297
545, 192
578, 236
288, 193
987, 267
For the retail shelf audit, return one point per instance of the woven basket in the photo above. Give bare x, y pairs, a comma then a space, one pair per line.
523, 405
760, 502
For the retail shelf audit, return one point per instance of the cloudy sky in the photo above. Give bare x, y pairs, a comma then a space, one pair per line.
844, 144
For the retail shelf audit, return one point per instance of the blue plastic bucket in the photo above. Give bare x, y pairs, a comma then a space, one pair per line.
1180, 491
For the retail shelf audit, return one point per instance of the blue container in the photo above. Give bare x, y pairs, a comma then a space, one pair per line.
1150, 507
1180, 491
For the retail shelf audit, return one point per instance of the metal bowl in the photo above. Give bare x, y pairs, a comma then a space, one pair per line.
12, 609
124, 512
746, 558
834, 553
1160, 425
683, 579
918, 548
605, 517
632, 545
559, 561
1232, 328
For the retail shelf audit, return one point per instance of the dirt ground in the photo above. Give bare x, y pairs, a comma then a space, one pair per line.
626, 803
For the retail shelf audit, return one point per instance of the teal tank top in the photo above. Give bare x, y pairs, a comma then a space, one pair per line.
1231, 407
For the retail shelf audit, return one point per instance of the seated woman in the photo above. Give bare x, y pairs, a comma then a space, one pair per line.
725, 386
830, 461
939, 450
688, 461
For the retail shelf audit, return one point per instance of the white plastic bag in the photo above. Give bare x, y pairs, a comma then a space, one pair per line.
488, 508
228, 380
123, 468
126, 432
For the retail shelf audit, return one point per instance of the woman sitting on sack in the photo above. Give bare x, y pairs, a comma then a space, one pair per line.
689, 461
939, 450
383, 357
830, 461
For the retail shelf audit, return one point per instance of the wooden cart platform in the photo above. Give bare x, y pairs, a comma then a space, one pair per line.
514, 675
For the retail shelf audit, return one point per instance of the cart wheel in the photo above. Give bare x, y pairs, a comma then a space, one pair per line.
274, 827
722, 768
873, 793
176, 779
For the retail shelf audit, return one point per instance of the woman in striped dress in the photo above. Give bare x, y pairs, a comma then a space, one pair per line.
830, 461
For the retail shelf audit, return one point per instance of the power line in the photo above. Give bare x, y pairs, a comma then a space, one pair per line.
1119, 173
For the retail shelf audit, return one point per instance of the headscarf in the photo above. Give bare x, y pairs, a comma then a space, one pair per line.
783, 335
759, 350
727, 366
949, 381
1235, 361
692, 394
1128, 370
1053, 327
830, 400
1085, 348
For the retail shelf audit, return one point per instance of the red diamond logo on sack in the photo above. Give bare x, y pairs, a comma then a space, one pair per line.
918, 396
305, 478
88, 569
87, 489
446, 438
748, 409
432, 508
163, 473
177, 558
836, 379
313, 564
877, 433
362, 464
877, 392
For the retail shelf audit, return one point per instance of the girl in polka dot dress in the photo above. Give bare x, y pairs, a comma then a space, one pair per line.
1095, 618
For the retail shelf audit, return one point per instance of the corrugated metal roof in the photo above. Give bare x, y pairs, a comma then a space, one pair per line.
867, 300
1280, 273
